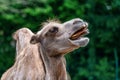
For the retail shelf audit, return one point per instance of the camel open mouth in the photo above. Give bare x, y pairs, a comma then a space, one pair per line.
80, 33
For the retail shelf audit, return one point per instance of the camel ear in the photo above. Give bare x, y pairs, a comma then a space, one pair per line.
34, 39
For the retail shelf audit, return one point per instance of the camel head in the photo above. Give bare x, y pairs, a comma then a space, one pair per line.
62, 37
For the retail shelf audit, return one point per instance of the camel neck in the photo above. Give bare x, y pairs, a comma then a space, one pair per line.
54, 66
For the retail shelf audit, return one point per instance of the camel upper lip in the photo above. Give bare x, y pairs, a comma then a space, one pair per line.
79, 33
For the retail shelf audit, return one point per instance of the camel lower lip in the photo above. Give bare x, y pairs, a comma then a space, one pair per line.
80, 42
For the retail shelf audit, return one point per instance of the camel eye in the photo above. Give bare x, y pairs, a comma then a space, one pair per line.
53, 30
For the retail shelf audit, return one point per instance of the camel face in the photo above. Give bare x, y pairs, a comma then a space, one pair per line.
63, 38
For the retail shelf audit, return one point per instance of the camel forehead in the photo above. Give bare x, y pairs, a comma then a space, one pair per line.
51, 24
48, 26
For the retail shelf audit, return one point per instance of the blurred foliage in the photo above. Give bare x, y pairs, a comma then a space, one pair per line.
97, 61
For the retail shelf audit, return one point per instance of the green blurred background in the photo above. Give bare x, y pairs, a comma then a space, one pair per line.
98, 61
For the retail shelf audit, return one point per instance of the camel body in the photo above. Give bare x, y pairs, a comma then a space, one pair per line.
41, 56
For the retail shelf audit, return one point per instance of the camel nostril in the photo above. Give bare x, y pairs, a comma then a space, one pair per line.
77, 21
